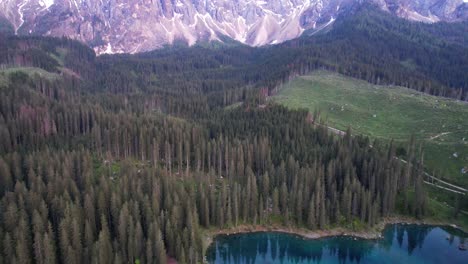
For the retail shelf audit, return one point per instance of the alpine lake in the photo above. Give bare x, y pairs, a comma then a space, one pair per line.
400, 243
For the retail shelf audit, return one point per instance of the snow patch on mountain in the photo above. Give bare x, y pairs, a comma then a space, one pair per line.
46, 3
109, 49
20, 11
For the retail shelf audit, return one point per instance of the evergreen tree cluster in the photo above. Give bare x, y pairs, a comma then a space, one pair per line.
82, 182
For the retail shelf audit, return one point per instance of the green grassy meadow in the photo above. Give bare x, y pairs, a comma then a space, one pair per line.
30, 71
388, 112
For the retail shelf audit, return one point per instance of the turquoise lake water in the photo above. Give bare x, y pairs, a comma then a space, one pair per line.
399, 244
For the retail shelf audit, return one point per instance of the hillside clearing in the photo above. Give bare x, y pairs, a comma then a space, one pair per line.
388, 112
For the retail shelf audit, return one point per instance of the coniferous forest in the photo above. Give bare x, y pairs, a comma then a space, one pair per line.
129, 158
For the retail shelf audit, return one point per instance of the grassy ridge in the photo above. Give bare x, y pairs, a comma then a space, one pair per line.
388, 112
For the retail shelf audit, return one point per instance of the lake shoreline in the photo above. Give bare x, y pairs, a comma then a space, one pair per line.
373, 233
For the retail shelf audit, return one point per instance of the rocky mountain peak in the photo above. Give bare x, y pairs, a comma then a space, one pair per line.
112, 26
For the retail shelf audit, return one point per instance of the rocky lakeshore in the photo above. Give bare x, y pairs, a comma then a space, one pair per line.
370, 233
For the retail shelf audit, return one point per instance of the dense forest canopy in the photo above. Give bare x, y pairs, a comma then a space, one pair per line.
126, 158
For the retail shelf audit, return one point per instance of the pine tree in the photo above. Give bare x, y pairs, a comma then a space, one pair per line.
311, 221
104, 245
276, 210
160, 252
49, 247
6, 181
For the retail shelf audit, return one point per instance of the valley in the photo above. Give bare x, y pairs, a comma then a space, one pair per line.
142, 157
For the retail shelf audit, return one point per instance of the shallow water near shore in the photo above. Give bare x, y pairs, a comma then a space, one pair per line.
400, 244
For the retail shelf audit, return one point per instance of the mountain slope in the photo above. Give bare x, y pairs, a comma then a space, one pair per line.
388, 113
365, 43
134, 26
404, 53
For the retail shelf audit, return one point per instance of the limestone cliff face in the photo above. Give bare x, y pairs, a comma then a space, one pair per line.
141, 25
